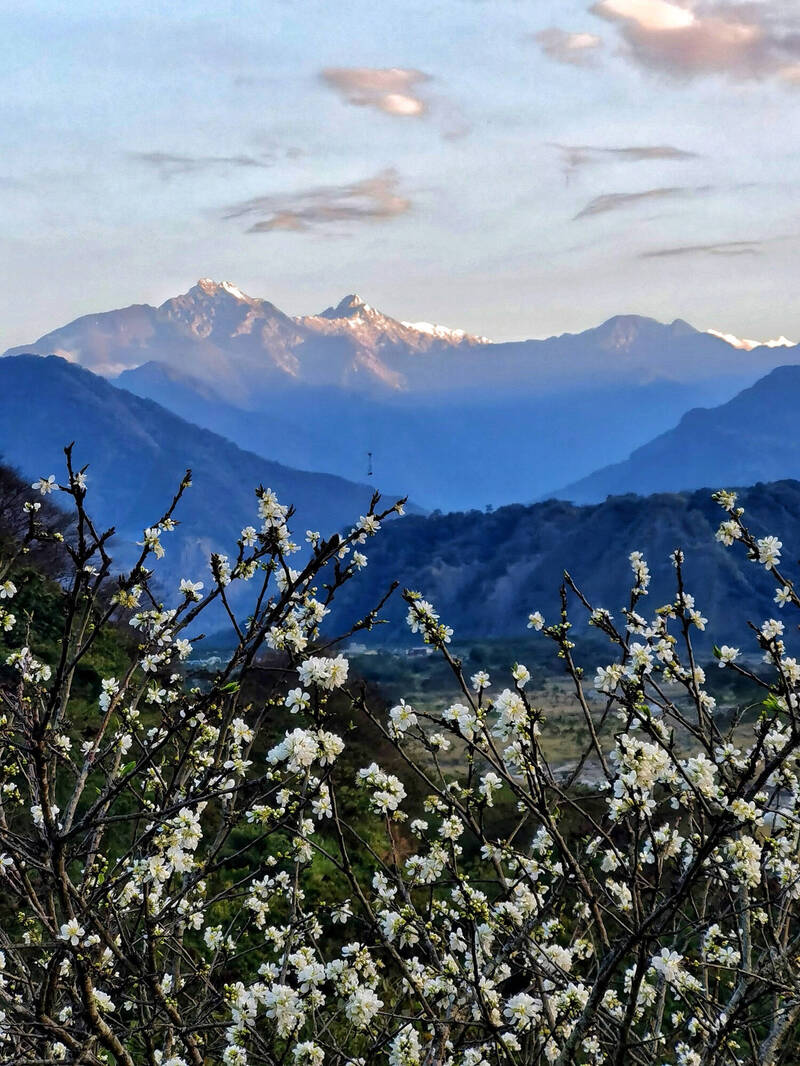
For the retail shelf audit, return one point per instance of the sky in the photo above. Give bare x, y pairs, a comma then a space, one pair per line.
516, 168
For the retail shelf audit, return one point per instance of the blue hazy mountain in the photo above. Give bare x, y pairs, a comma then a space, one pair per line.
137, 453
451, 418
753, 437
450, 452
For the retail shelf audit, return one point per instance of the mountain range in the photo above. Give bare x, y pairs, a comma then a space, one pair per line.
147, 392
455, 420
244, 347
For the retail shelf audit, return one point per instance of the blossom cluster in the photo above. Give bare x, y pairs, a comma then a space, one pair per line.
209, 869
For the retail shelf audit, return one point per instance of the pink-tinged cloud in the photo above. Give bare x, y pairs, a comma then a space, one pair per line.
690, 38
392, 90
373, 199
576, 49
654, 15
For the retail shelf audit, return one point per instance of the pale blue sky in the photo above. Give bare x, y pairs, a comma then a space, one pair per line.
140, 143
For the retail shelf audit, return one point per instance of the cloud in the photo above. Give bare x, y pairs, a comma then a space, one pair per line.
169, 165
392, 90
577, 49
719, 248
692, 38
373, 199
613, 201
575, 156
650, 14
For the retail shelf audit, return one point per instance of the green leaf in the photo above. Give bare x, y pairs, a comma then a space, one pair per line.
772, 704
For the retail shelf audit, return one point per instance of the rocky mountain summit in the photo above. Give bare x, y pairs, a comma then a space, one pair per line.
245, 347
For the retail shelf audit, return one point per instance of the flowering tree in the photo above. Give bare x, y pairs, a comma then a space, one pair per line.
178, 891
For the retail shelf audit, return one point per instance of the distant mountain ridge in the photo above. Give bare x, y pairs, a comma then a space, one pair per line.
245, 346
753, 437
748, 344
137, 454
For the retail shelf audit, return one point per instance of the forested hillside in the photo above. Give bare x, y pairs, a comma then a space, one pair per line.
485, 572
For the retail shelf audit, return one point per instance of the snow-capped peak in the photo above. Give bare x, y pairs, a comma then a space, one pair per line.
748, 345
351, 305
361, 318
212, 288
444, 332
233, 290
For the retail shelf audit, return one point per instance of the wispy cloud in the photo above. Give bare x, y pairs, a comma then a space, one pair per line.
575, 156
169, 165
726, 248
374, 199
614, 201
700, 37
393, 90
576, 49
